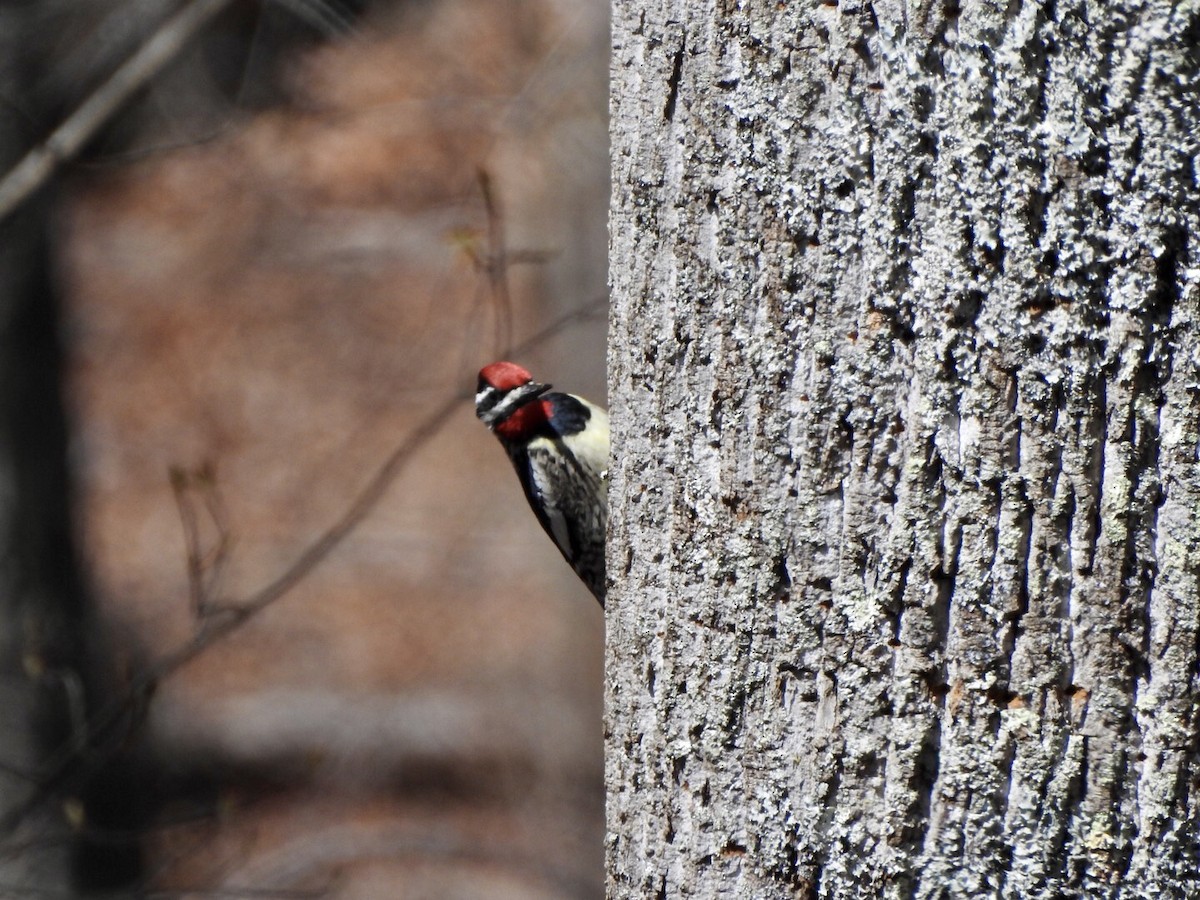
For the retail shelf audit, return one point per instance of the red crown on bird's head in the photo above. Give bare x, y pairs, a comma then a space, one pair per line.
504, 375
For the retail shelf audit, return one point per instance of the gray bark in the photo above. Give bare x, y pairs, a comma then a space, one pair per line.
905, 504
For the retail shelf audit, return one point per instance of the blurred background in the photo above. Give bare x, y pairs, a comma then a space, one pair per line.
278, 266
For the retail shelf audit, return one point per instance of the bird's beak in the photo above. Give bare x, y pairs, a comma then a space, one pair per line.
503, 406
529, 391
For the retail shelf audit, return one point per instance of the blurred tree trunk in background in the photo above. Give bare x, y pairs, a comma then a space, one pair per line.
73, 799
906, 413
39, 597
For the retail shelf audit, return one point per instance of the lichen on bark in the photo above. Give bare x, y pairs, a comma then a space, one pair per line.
904, 530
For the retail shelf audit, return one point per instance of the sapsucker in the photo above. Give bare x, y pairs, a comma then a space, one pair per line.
558, 444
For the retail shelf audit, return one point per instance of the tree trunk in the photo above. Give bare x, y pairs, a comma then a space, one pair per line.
38, 597
906, 408
66, 809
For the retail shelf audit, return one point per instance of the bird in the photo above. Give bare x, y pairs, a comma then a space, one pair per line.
559, 445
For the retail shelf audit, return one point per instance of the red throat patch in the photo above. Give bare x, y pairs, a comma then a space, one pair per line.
524, 422
504, 375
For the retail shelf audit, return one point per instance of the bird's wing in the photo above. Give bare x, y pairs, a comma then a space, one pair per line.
543, 474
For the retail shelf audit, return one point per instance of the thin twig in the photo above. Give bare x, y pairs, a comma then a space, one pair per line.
215, 561
205, 568
495, 264
191, 537
579, 314
82, 125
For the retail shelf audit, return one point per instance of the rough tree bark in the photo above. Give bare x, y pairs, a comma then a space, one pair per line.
906, 407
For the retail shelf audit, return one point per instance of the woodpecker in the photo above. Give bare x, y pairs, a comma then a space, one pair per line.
558, 443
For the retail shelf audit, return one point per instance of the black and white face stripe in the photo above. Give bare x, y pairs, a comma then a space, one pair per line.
494, 405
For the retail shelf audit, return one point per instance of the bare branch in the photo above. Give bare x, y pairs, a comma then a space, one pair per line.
205, 568
495, 264
83, 124
191, 537
579, 314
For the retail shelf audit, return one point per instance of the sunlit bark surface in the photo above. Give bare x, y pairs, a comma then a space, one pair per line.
906, 407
